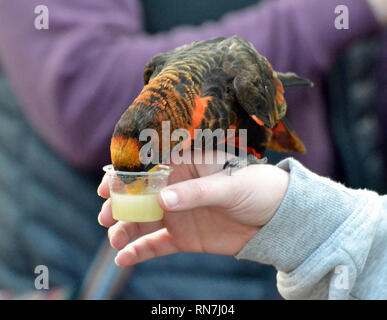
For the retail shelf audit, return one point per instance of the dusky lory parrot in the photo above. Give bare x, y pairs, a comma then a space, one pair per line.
219, 83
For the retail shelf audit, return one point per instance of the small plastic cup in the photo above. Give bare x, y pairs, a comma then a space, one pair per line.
134, 194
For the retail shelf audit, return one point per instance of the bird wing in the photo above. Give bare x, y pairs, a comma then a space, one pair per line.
260, 92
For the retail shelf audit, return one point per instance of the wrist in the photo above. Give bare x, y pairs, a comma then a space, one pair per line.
279, 179
313, 209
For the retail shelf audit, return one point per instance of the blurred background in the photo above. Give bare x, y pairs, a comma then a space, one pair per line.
62, 89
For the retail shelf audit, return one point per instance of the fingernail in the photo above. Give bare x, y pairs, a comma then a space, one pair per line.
116, 260
98, 190
99, 221
104, 204
99, 187
170, 198
121, 261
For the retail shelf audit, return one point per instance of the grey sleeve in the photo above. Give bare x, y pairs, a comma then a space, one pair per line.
326, 241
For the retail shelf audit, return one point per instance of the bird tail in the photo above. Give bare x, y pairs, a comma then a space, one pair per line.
284, 139
291, 80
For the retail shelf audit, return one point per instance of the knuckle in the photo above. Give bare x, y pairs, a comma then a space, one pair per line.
135, 252
198, 190
110, 234
151, 249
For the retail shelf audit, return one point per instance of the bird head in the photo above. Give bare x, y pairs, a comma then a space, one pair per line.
128, 153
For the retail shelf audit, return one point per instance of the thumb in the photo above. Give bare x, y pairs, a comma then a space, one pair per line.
217, 190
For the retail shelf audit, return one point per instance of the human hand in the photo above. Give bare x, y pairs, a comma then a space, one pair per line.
205, 211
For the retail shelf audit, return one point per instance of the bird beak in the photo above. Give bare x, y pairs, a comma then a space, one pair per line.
149, 167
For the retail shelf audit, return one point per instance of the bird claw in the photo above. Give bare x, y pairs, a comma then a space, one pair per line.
239, 162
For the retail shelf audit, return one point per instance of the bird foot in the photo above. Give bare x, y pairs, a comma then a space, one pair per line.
240, 162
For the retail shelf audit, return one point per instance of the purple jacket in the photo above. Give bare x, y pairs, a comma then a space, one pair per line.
75, 79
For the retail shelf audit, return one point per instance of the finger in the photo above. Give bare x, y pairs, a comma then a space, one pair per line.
123, 232
156, 244
219, 190
105, 217
103, 189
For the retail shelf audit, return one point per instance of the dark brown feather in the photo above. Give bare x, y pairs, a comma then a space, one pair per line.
221, 83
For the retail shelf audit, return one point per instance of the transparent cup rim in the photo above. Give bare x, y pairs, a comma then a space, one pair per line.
163, 170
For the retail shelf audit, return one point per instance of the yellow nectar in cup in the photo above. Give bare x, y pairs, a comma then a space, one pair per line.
134, 194
136, 208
